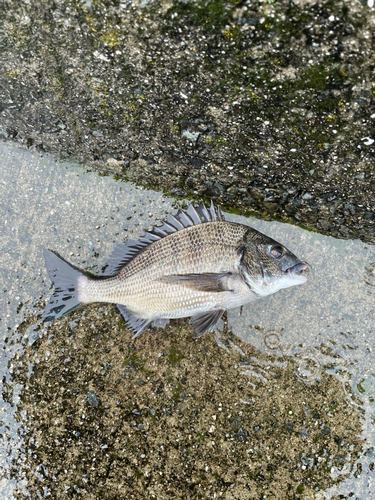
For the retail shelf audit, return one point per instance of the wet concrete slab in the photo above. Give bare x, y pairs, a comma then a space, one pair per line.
278, 404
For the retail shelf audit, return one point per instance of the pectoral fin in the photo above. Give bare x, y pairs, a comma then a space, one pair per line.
209, 282
205, 321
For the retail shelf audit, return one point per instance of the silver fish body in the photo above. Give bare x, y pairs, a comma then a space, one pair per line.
195, 265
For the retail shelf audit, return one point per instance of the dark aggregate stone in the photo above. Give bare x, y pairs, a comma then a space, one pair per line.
289, 427
196, 162
92, 399
249, 201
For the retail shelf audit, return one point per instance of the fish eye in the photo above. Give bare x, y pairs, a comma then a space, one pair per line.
277, 251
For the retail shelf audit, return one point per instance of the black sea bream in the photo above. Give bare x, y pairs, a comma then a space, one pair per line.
196, 265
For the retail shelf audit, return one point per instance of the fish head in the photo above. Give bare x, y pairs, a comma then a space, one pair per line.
268, 266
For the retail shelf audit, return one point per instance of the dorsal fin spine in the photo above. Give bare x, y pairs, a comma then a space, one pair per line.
193, 214
212, 211
175, 222
203, 212
160, 231
185, 219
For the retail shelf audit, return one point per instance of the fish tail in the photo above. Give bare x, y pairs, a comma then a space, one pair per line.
68, 282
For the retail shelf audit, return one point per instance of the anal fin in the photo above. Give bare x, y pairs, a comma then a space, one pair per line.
138, 325
205, 321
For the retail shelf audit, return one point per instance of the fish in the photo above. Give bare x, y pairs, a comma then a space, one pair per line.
195, 265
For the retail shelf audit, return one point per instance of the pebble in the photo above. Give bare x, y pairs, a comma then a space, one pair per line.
92, 399
191, 136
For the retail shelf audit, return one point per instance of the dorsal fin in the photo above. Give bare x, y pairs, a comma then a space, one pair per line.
193, 214
121, 255
202, 211
181, 220
175, 222
183, 217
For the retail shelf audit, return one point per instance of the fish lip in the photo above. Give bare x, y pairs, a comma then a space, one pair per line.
301, 266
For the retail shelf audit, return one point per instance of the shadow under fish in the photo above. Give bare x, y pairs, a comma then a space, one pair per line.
195, 265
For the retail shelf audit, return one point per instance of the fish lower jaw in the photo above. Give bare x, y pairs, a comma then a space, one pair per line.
290, 280
265, 289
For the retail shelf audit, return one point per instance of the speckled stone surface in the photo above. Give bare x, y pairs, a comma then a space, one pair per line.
266, 107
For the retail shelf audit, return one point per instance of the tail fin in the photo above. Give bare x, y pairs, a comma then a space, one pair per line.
64, 277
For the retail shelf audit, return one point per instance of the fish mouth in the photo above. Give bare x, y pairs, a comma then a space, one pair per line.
297, 268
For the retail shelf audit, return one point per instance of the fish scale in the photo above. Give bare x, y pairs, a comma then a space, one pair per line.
195, 265
210, 248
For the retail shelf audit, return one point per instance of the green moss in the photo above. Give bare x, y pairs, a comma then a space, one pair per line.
174, 356
360, 387
300, 489
154, 418
232, 210
201, 436
134, 358
122, 324
18, 34
220, 141
212, 15
233, 33
315, 77
111, 38
138, 473
118, 178
308, 228
320, 137
12, 72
